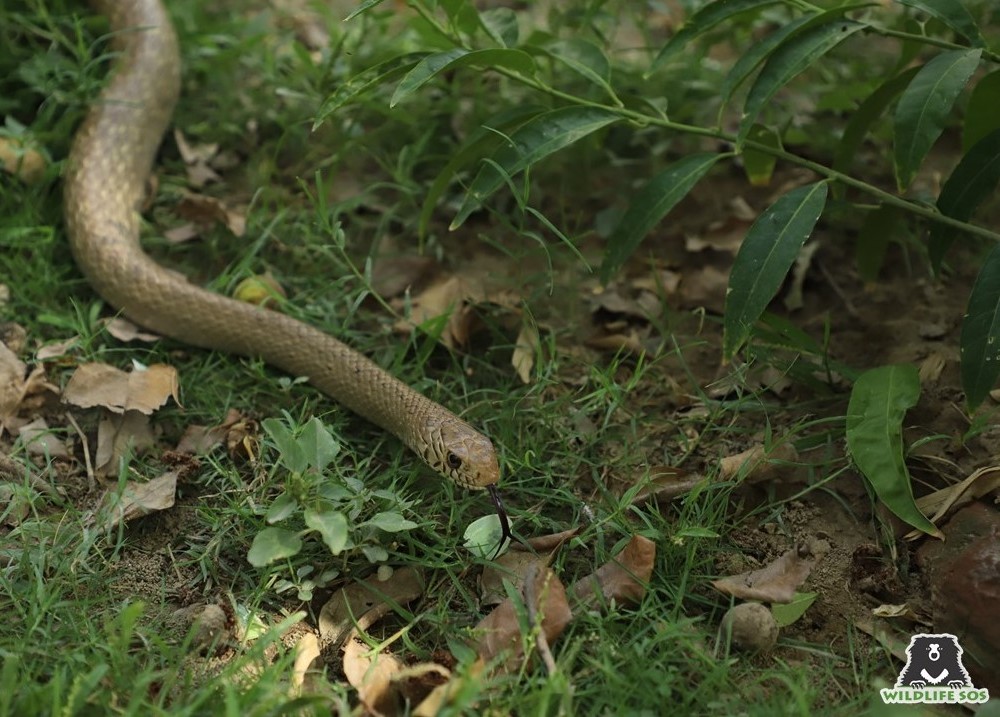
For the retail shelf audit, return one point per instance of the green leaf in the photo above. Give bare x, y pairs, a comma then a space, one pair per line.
541, 136
873, 240
924, 108
390, 522
701, 22
953, 14
587, 60
870, 109
332, 527
756, 53
483, 536
759, 165
879, 401
367, 4
651, 204
786, 614
273, 544
382, 73
981, 116
432, 65
289, 449
281, 507
765, 258
981, 333
480, 142
972, 181
792, 58
500, 23
319, 447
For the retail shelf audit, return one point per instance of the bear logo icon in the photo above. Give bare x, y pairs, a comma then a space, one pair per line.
934, 661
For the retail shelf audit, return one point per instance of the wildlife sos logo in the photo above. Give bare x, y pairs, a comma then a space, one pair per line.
934, 674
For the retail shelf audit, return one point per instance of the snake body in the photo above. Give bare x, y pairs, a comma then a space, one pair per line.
108, 166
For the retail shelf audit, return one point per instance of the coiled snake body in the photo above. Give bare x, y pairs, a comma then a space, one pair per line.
109, 163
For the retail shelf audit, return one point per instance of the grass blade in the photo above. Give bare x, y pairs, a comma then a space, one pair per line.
651, 204
879, 401
792, 58
536, 139
925, 106
765, 258
981, 333
432, 65
972, 181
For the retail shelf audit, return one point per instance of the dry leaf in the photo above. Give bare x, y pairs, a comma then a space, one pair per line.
118, 437
623, 578
196, 158
56, 349
931, 368
776, 582
182, 233
525, 347
143, 389
666, 483
442, 695
757, 465
307, 659
366, 601
450, 297
793, 299
944, 502
512, 566
20, 160
125, 330
137, 500
548, 543
500, 631
39, 440
372, 674
202, 439
705, 286
203, 209
12, 372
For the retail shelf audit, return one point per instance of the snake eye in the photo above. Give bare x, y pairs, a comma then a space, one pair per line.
454, 462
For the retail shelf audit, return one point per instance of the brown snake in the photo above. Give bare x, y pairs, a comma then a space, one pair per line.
108, 165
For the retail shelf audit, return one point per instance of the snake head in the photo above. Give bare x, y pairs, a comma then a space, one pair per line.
463, 454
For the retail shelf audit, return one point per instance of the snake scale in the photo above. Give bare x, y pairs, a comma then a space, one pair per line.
107, 169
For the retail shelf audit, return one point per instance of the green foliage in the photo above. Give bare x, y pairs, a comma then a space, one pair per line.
584, 97
336, 508
879, 401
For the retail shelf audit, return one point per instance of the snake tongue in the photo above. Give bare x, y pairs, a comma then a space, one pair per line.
502, 515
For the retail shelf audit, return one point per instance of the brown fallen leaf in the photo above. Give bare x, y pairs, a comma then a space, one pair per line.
307, 660
136, 500
364, 602
395, 274
622, 579
442, 695
124, 330
942, 503
665, 483
196, 158
143, 389
203, 209
12, 373
448, 300
56, 349
512, 566
202, 439
119, 437
500, 631
776, 582
548, 543
39, 440
758, 465
525, 348
373, 673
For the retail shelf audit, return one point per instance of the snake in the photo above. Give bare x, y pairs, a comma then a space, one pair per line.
107, 169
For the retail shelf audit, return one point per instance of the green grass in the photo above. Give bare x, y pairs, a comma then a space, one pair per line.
85, 636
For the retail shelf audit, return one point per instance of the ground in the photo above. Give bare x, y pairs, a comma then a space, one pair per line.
616, 418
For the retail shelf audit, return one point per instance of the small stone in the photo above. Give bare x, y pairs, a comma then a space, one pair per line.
751, 627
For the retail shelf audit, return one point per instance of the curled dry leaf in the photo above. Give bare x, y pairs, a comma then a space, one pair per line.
196, 160
666, 483
942, 503
202, 439
56, 349
373, 675
307, 659
136, 500
525, 347
124, 330
395, 274
778, 581
39, 440
143, 390
202, 209
757, 465
548, 543
119, 436
366, 601
450, 297
514, 565
622, 579
500, 631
